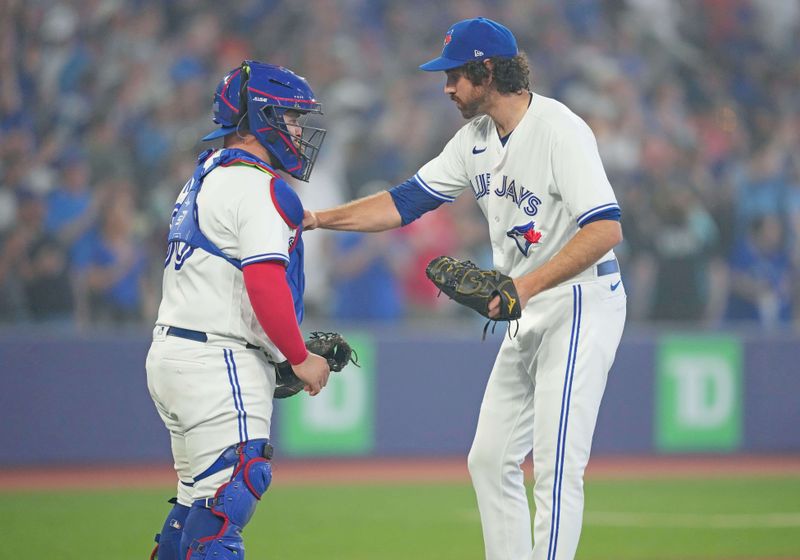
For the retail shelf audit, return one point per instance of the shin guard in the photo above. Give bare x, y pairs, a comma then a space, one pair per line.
168, 541
214, 525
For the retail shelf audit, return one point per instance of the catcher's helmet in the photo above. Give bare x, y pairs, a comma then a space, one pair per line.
255, 98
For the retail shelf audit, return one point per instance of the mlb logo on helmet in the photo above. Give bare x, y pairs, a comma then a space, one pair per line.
473, 39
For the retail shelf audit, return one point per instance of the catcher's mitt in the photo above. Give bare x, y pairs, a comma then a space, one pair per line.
330, 345
475, 287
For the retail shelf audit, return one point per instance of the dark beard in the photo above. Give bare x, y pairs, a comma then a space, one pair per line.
470, 110
473, 108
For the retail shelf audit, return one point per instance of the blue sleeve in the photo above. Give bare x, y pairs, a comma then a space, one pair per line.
411, 201
610, 214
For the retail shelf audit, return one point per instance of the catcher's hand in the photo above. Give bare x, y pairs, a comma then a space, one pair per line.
475, 287
330, 345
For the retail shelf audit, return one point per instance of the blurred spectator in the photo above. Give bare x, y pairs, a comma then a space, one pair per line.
34, 272
432, 235
105, 158
683, 237
636, 253
114, 265
694, 106
365, 274
761, 275
72, 206
762, 186
10, 186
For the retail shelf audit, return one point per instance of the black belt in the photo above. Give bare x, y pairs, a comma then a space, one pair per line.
198, 336
607, 267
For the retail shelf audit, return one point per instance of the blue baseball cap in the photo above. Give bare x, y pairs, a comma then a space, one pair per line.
473, 39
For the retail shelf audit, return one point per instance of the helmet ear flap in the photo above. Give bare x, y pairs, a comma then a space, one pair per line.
271, 135
273, 139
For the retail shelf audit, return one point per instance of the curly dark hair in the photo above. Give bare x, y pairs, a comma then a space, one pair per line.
511, 75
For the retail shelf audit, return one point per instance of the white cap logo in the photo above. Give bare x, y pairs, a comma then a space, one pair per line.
478, 53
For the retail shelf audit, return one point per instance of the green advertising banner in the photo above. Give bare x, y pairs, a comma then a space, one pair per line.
338, 421
698, 394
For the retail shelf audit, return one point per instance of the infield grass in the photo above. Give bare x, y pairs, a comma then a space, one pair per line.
641, 519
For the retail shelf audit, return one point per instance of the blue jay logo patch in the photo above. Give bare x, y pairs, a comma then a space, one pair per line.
525, 236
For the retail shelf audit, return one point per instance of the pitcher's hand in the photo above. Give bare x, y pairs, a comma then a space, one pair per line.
310, 220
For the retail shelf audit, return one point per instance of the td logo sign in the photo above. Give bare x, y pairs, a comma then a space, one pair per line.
699, 394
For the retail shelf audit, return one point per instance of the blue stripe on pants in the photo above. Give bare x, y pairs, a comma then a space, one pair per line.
234, 382
572, 354
239, 393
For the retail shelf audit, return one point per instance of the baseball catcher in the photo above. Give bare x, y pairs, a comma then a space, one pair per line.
233, 292
475, 287
330, 345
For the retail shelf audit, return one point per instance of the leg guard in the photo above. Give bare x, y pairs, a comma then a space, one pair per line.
168, 541
214, 525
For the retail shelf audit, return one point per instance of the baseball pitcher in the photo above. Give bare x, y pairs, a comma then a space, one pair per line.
533, 167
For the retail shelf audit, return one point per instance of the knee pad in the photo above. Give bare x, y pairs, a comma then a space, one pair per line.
214, 525
168, 541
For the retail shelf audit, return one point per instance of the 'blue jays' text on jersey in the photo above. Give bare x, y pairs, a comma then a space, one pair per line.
536, 190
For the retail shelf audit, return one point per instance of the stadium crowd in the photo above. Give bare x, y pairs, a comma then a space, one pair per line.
695, 105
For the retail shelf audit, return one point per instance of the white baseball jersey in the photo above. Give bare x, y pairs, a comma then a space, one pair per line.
536, 191
204, 292
545, 388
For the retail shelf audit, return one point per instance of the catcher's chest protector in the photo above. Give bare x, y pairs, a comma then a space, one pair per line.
185, 234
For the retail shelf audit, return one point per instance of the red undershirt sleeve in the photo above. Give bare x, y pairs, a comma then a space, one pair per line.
272, 302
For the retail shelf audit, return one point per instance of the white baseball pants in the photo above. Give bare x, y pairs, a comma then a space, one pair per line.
543, 395
210, 396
